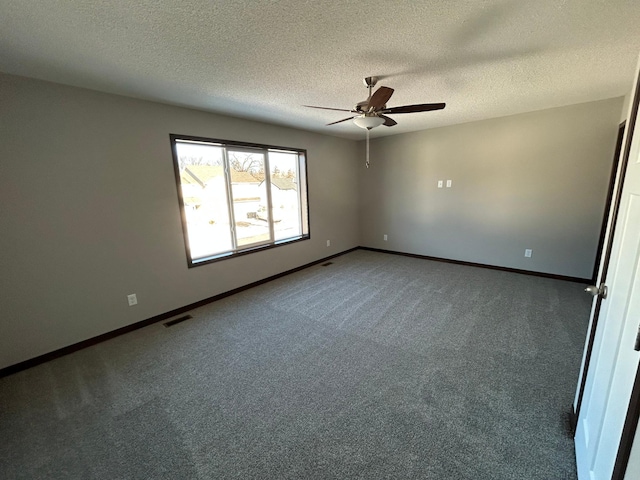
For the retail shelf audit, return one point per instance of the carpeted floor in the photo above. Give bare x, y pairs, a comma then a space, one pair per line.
377, 366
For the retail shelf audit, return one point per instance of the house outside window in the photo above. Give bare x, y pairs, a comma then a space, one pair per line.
237, 198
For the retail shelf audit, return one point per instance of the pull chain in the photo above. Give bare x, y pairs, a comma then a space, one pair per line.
367, 162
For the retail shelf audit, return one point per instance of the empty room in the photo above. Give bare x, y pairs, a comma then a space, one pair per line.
323, 240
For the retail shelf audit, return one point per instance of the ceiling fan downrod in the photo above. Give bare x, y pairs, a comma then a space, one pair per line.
370, 82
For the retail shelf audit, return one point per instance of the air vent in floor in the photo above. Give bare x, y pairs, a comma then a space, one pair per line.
171, 323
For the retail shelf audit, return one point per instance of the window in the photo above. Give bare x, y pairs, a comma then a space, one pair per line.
238, 198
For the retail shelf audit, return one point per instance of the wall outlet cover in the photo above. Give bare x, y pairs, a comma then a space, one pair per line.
132, 299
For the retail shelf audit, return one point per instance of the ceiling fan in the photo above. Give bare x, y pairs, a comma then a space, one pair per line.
373, 111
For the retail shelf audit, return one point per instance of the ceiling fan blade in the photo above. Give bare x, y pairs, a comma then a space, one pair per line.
329, 108
423, 107
340, 121
388, 121
380, 97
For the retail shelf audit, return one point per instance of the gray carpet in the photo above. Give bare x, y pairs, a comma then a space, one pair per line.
377, 366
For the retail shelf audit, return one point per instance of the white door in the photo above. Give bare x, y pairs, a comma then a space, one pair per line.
614, 360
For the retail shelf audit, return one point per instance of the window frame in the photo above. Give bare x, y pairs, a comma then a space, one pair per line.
246, 147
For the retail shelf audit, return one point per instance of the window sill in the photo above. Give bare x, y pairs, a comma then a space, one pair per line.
245, 251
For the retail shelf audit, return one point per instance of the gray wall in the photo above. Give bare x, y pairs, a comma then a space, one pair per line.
89, 212
625, 107
536, 180
633, 467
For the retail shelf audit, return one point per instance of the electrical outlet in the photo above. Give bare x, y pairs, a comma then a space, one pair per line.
132, 299
448, 183
385, 237
328, 243
440, 182
528, 252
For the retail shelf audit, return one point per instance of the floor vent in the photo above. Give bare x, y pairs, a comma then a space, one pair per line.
327, 264
171, 323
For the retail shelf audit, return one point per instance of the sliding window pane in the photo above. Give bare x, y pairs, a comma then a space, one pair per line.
204, 193
285, 194
249, 196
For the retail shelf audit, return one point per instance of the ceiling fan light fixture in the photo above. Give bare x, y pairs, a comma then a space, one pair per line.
368, 121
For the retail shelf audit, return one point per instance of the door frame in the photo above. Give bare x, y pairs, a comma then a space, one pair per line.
607, 207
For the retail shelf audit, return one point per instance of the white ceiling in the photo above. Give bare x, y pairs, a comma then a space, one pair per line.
265, 59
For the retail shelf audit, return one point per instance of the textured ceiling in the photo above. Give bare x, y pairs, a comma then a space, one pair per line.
265, 59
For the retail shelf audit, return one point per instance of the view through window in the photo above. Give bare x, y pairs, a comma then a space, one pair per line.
236, 198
